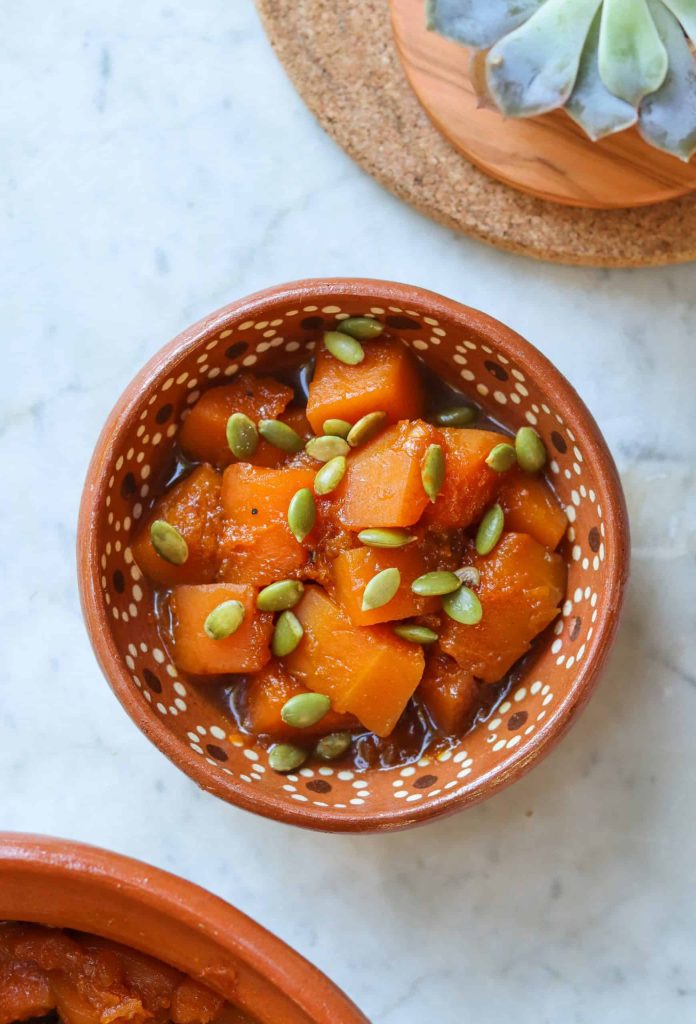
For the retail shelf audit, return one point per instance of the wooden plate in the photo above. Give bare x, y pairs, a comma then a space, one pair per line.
341, 56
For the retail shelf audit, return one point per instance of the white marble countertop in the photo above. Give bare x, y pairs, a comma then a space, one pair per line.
156, 164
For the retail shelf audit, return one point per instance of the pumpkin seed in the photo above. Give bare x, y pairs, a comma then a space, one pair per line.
305, 709
337, 428
501, 458
280, 435
361, 327
285, 757
302, 513
287, 634
224, 620
327, 447
366, 428
434, 584
332, 746
242, 435
168, 542
347, 350
490, 529
330, 475
531, 450
433, 471
458, 416
463, 606
415, 634
377, 538
277, 597
381, 589
469, 575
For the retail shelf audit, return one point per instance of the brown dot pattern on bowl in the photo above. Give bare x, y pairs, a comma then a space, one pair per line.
470, 360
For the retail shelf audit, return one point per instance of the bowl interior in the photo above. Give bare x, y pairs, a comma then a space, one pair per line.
514, 385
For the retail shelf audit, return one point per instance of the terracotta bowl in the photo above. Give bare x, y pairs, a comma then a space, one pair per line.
68, 885
515, 384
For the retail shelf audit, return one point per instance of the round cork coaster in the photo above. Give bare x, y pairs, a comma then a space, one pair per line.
341, 56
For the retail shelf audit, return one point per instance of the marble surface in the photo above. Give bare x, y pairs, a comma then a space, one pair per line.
156, 163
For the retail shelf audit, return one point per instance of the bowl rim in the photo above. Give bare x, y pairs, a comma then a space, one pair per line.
61, 883
517, 349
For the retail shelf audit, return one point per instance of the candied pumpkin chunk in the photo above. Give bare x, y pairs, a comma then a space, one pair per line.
203, 434
469, 483
193, 507
522, 584
268, 691
448, 692
387, 380
246, 650
367, 671
354, 569
383, 486
530, 506
256, 545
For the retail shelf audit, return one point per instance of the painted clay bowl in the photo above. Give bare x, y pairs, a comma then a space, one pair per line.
514, 384
67, 885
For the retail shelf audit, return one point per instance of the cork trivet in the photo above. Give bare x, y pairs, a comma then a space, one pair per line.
341, 57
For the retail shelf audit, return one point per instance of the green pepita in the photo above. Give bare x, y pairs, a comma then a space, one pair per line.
224, 620
286, 757
305, 709
469, 575
327, 447
345, 349
415, 634
168, 542
287, 634
330, 475
332, 746
490, 529
280, 435
501, 458
337, 428
302, 513
377, 538
433, 471
361, 327
381, 589
531, 451
463, 606
366, 428
242, 435
434, 584
459, 416
277, 597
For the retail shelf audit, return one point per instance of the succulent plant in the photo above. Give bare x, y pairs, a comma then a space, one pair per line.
610, 63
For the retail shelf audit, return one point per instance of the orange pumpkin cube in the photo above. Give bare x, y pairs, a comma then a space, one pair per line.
530, 506
386, 380
354, 569
267, 693
522, 585
367, 671
203, 434
470, 484
448, 692
193, 507
257, 546
383, 486
246, 650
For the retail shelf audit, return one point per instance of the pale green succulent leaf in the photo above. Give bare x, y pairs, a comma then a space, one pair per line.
533, 70
478, 23
598, 112
668, 117
632, 57
685, 11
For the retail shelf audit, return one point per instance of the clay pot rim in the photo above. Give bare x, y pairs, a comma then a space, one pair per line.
517, 349
79, 873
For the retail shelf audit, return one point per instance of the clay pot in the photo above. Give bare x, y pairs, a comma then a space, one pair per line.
68, 885
516, 385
